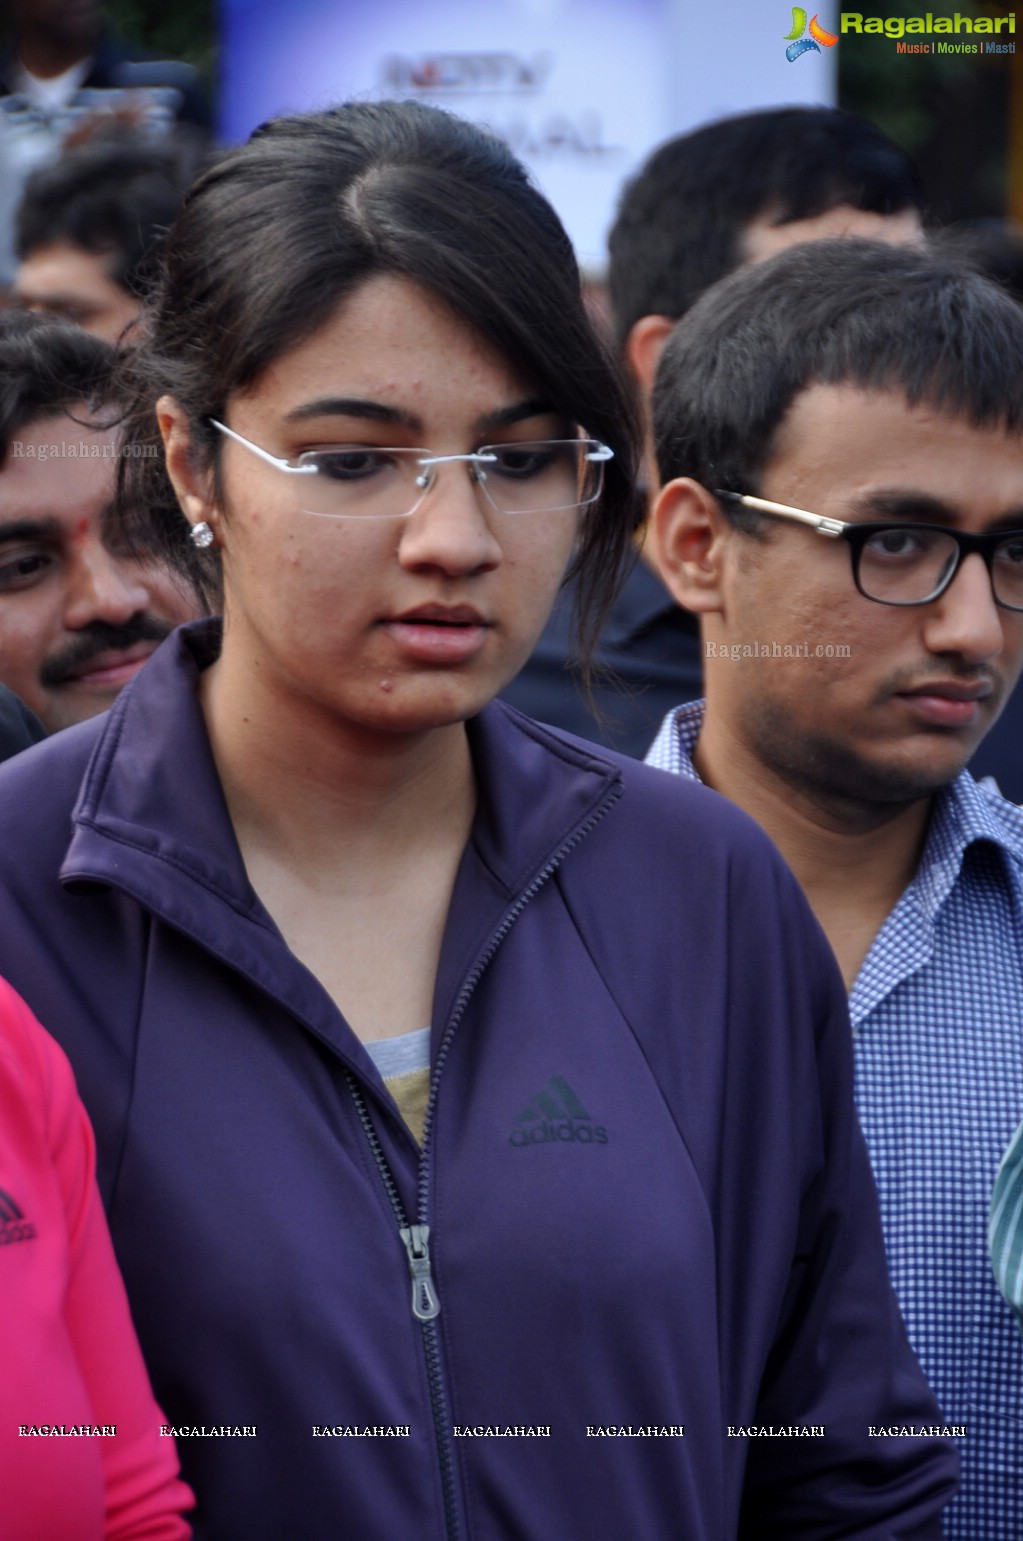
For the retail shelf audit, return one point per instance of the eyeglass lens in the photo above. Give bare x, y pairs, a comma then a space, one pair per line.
907, 566
365, 481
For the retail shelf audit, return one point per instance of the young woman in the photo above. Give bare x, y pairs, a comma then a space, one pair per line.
81, 1448
474, 1107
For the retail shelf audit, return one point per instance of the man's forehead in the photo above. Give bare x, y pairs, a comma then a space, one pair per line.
59, 465
828, 418
76, 425
764, 238
854, 445
62, 268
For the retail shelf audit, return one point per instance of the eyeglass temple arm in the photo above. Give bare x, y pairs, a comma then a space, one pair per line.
819, 522
264, 454
599, 452
476, 458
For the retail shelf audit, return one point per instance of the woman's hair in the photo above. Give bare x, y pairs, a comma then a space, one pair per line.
278, 233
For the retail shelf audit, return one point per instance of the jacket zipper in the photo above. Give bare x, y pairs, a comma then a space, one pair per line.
425, 1308
415, 1238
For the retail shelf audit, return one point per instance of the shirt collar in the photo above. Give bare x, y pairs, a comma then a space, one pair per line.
964, 813
675, 744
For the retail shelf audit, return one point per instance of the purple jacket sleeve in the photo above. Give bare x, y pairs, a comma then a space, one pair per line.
840, 1359
748, 1034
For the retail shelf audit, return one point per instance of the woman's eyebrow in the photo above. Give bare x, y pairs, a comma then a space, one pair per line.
518, 412
383, 412
352, 406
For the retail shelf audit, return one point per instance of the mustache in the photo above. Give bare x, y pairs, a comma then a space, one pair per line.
953, 668
101, 637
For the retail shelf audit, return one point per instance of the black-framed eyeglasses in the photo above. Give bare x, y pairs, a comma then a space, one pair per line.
904, 563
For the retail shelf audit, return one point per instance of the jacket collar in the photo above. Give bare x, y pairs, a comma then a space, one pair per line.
151, 798
151, 818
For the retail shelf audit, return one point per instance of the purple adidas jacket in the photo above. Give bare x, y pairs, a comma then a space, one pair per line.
634, 1284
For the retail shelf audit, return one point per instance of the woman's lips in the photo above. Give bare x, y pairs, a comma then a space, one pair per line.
437, 635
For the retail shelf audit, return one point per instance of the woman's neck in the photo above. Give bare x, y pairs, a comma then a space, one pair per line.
303, 785
352, 839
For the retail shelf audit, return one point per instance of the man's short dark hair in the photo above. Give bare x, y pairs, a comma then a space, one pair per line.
993, 247
111, 197
854, 312
681, 219
46, 367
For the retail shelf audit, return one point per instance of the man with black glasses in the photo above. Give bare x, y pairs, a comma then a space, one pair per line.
731, 192
840, 439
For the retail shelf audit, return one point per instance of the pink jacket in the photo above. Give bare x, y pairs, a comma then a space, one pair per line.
69, 1357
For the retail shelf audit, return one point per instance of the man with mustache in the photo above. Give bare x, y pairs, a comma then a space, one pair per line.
840, 439
79, 615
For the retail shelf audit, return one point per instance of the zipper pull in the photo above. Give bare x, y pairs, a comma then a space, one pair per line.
425, 1305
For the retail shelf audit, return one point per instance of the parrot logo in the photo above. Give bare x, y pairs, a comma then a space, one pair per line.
798, 44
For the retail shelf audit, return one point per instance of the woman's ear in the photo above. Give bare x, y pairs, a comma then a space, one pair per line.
688, 536
192, 485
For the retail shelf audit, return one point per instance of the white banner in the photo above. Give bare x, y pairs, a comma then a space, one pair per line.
581, 89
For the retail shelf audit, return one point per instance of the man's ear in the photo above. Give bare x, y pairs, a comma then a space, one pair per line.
191, 484
688, 533
643, 348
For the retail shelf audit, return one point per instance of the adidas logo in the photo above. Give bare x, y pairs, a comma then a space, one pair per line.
13, 1225
556, 1114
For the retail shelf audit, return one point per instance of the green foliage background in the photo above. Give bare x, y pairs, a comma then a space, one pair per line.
951, 112
181, 29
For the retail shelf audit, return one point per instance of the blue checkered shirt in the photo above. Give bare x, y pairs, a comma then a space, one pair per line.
937, 1014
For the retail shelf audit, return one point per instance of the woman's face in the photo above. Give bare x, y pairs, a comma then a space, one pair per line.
393, 624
